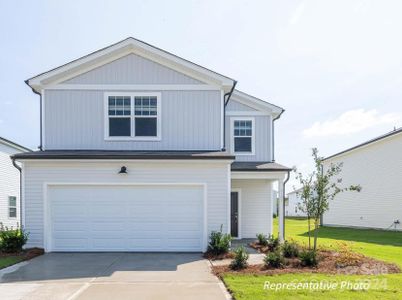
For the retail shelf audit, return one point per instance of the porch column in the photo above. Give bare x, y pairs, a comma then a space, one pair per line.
281, 213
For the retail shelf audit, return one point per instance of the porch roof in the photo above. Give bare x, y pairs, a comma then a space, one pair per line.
258, 166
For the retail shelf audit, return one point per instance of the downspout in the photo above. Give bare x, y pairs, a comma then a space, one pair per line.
284, 193
226, 99
20, 170
273, 134
40, 147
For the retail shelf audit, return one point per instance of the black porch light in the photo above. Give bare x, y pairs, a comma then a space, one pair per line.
123, 170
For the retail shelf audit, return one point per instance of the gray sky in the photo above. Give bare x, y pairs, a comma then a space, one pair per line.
335, 66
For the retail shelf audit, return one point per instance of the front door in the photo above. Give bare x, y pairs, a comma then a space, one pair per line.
234, 214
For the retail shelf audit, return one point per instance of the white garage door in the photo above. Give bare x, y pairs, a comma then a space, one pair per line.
125, 218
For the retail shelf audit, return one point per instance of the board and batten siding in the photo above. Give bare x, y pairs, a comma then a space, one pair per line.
263, 150
256, 207
132, 69
377, 168
75, 119
9, 185
215, 175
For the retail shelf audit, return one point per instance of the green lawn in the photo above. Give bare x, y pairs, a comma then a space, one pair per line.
9, 260
382, 245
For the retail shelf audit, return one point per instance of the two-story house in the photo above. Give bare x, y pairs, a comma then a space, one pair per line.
142, 150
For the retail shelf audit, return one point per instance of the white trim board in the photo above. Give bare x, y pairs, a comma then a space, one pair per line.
46, 205
139, 87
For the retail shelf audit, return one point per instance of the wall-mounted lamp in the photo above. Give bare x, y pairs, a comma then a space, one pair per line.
123, 170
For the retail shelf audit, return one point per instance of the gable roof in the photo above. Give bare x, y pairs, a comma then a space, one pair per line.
123, 48
376, 139
14, 145
257, 103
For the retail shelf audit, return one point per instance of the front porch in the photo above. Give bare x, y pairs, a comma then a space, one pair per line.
253, 186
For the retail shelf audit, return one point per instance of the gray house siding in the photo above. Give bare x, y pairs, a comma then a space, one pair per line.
132, 69
234, 105
263, 125
74, 119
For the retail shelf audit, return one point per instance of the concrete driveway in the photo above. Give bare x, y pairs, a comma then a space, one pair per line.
112, 276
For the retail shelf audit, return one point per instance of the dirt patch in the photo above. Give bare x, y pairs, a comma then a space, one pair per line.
26, 254
327, 265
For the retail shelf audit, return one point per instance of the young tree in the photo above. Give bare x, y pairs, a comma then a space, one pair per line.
306, 194
325, 187
318, 188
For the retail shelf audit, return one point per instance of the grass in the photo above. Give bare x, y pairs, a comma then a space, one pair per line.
7, 261
383, 245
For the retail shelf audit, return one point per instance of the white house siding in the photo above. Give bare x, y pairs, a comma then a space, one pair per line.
234, 105
377, 168
191, 120
132, 69
263, 133
292, 207
9, 185
215, 175
256, 206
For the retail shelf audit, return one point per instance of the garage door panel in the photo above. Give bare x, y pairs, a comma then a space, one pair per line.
126, 218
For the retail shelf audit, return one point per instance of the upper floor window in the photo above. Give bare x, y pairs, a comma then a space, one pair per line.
12, 207
243, 136
133, 116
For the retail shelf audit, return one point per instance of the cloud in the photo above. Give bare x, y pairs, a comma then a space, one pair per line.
350, 122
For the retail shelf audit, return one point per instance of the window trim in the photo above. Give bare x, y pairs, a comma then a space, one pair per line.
132, 117
8, 207
232, 120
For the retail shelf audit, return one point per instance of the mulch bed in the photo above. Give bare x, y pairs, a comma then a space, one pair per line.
25, 254
212, 256
327, 264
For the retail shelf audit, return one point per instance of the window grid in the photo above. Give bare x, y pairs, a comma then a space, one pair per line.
243, 128
12, 207
145, 106
119, 106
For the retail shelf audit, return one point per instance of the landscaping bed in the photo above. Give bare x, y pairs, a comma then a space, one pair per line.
8, 259
328, 264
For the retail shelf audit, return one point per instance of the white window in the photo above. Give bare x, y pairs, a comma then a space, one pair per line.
242, 133
132, 116
12, 207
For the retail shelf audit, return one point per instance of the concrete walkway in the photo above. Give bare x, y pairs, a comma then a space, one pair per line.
114, 276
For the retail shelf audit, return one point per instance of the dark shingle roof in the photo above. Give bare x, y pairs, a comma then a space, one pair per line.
104, 154
258, 166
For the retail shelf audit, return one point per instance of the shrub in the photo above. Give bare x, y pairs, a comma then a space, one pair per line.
308, 258
347, 257
12, 240
219, 242
290, 249
262, 239
240, 259
273, 243
274, 259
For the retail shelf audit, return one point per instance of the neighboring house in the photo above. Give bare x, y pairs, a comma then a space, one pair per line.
292, 207
376, 166
9, 184
142, 150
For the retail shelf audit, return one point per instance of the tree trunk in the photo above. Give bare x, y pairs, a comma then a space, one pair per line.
309, 232
316, 225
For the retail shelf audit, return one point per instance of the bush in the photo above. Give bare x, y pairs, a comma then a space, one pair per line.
347, 257
12, 240
290, 249
262, 239
273, 243
219, 242
308, 258
274, 259
240, 259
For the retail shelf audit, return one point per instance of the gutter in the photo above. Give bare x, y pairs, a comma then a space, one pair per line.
40, 113
226, 99
284, 193
20, 170
273, 134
